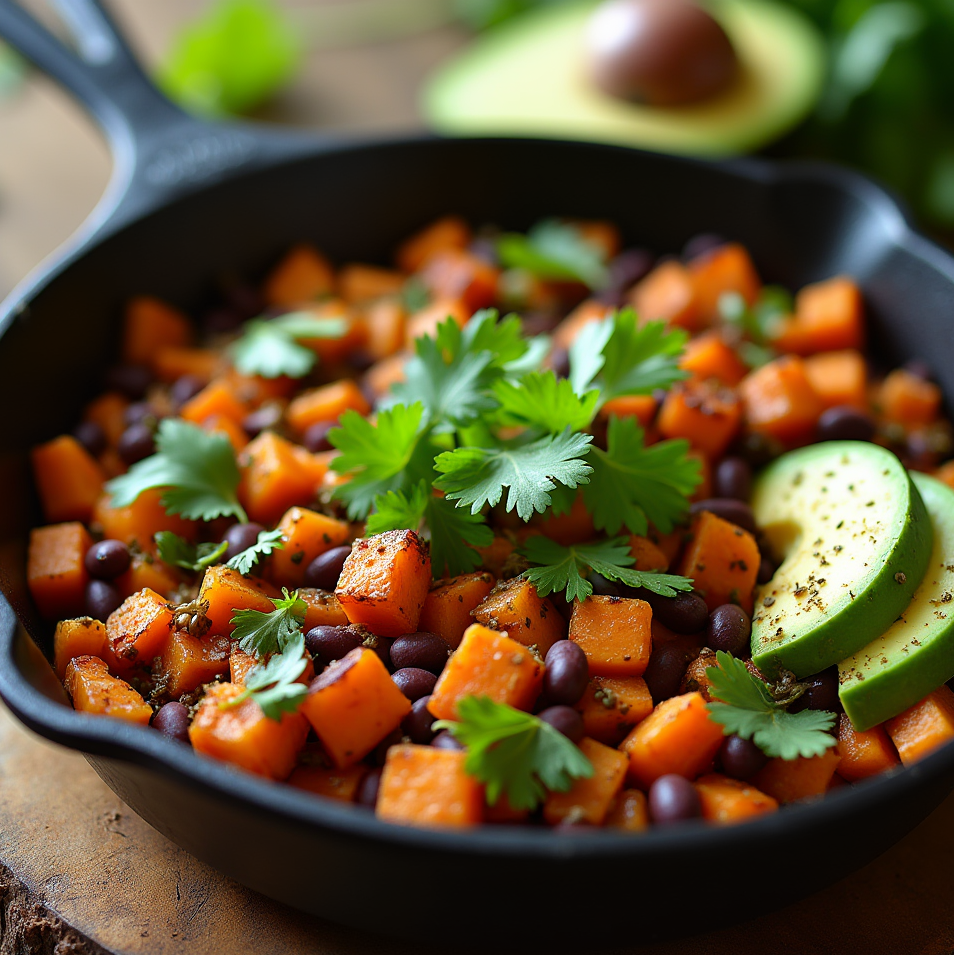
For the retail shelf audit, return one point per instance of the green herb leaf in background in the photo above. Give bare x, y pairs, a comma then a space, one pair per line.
554, 250
178, 552
270, 347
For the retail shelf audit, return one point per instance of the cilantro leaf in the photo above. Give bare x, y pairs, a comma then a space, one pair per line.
453, 532
744, 706
261, 633
502, 337
622, 357
270, 347
554, 250
632, 484
562, 567
179, 552
273, 685
515, 753
542, 400
197, 469
267, 542
478, 476
386, 455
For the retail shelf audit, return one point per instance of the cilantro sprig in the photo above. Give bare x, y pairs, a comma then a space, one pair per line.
270, 347
559, 567
267, 542
261, 633
196, 469
178, 552
555, 250
745, 706
515, 753
273, 685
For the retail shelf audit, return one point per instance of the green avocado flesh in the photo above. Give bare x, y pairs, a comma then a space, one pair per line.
916, 653
528, 78
856, 540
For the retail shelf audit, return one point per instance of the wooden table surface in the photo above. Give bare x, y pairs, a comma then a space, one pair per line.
79, 872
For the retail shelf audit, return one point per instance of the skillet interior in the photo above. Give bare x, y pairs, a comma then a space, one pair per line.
800, 223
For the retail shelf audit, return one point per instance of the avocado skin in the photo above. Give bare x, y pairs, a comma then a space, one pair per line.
852, 622
916, 653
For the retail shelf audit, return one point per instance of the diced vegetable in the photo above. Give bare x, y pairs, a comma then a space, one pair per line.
94, 690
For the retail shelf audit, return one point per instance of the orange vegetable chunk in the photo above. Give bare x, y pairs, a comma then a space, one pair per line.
386, 328
325, 404
614, 633
727, 800
779, 401
728, 268
277, 474
139, 522
448, 233
487, 663
648, 555
78, 637
188, 662
573, 527
94, 690
149, 325
788, 780
677, 737
108, 411
68, 478
138, 631
459, 274
171, 363
56, 573
828, 315
640, 407
515, 607
864, 754
324, 609
384, 582
216, 400
240, 663
909, 399
923, 727
148, 571
839, 378
448, 605
352, 705
227, 591
588, 311
668, 294
306, 535
359, 283
331, 783
629, 811
709, 356
612, 706
589, 800
723, 561
243, 735
707, 415
302, 275
424, 786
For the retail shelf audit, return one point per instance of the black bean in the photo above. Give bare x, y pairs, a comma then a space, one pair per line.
330, 643
758, 449
685, 613
418, 724
425, 650
382, 647
315, 438
666, 668
323, 572
844, 423
219, 320
139, 412
91, 435
822, 693
367, 792
131, 380
173, 720
107, 559
603, 587
567, 673
702, 244
184, 388
414, 682
740, 758
268, 416
135, 443
673, 799
730, 630
538, 322
565, 719
446, 740
380, 752
626, 269
240, 537
729, 509
101, 599
733, 479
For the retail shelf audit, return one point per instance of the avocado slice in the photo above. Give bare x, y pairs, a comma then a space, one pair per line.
856, 540
527, 78
915, 655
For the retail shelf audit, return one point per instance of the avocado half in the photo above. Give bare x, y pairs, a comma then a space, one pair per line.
528, 78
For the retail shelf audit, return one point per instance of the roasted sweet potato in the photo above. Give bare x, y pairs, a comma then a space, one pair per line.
56, 574
923, 727
138, 631
226, 591
726, 800
448, 605
612, 706
68, 479
788, 780
589, 799
94, 690
864, 754
139, 522
187, 662
614, 633
325, 404
303, 274
515, 607
306, 534
150, 324
78, 637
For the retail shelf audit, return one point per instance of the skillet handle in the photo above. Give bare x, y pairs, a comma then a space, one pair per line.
159, 151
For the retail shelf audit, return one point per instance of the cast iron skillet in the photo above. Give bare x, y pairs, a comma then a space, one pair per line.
191, 201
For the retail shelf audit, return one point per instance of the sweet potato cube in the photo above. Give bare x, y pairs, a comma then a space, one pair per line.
515, 607
708, 416
386, 323
424, 786
725, 269
648, 555
614, 633
216, 400
353, 705
385, 581
667, 294
108, 410
788, 780
148, 571
909, 399
589, 800
325, 404
171, 362
139, 522
138, 631
727, 800
487, 663
641, 407
449, 232
324, 609
188, 662
710, 356
630, 811
359, 283
923, 727
79, 637
306, 535
864, 754
778, 400
302, 275
677, 737
573, 527
94, 690
839, 378
240, 663
150, 324
448, 605
723, 561
331, 783
56, 574
828, 315
455, 273
68, 478
244, 736
612, 706
227, 591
